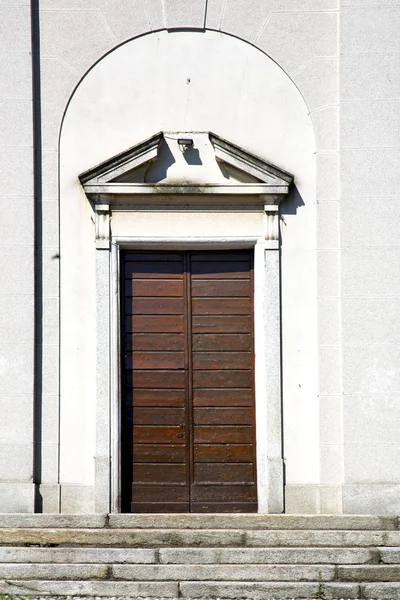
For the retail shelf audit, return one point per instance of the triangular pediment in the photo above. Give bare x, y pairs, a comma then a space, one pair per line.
186, 159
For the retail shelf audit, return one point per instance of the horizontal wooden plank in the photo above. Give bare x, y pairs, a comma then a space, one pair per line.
224, 255
221, 270
216, 288
158, 434
222, 416
158, 416
152, 324
223, 507
223, 397
222, 434
221, 493
226, 453
153, 270
222, 360
155, 360
161, 507
220, 342
143, 255
155, 342
223, 473
217, 324
159, 493
155, 287
166, 397
221, 306
224, 379
154, 306
155, 379
149, 453
159, 473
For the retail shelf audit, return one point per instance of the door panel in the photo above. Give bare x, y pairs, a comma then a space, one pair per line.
188, 436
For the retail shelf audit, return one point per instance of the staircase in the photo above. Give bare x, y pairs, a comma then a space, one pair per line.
200, 556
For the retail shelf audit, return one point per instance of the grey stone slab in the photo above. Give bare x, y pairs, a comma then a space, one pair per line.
362, 224
16, 271
329, 322
215, 13
331, 462
327, 177
51, 271
49, 494
50, 223
16, 373
77, 499
15, 76
250, 521
100, 588
294, 39
123, 538
372, 29
125, 19
374, 498
155, 13
389, 555
318, 82
16, 122
328, 225
223, 572
254, 556
50, 373
369, 124
19, 211
50, 571
50, 419
315, 538
17, 461
17, 498
49, 453
73, 521
372, 418
370, 573
371, 463
330, 376
330, 419
76, 555
15, 28
362, 169
16, 319
330, 499
209, 589
371, 272
82, 37
370, 370
328, 273
244, 20
381, 590
326, 122
51, 320
16, 418
16, 160
369, 76
185, 14
301, 499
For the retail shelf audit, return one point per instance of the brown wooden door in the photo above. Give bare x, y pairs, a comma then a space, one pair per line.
188, 431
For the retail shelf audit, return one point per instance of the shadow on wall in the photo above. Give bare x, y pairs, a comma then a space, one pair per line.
292, 203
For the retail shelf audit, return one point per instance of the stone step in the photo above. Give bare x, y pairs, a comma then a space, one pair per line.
200, 521
223, 572
152, 538
250, 589
369, 573
303, 556
12, 554
129, 589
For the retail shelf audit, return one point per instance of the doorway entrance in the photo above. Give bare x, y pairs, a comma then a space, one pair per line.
187, 413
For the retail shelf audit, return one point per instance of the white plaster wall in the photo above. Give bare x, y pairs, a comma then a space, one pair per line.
181, 81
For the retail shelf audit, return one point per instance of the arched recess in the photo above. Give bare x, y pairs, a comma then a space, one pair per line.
180, 81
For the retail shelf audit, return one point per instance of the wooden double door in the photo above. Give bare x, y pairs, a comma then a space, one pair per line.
187, 418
